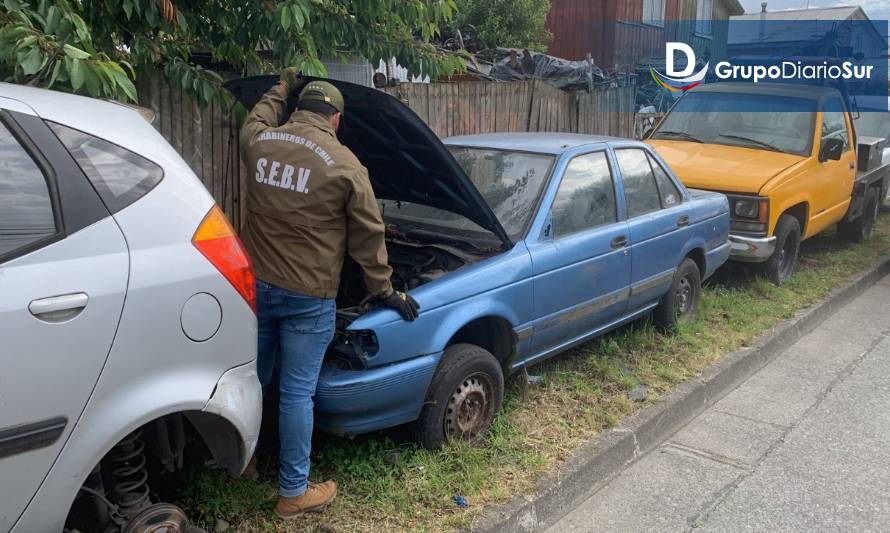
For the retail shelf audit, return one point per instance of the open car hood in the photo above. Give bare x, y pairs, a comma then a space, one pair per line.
405, 159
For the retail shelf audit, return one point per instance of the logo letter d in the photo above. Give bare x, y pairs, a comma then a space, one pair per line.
670, 51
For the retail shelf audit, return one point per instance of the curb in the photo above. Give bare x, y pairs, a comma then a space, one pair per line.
596, 462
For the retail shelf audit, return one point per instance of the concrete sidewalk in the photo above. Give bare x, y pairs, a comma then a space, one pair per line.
803, 445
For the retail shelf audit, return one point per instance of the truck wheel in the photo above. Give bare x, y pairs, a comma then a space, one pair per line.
463, 399
859, 230
680, 304
783, 263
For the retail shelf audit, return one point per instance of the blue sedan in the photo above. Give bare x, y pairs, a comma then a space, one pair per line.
517, 246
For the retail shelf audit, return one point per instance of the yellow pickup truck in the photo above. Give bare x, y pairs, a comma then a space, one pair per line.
788, 158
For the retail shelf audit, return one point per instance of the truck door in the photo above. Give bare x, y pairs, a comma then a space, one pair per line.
581, 263
834, 179
63, 274
658, 221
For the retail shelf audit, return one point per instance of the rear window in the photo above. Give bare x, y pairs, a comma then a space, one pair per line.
120, 176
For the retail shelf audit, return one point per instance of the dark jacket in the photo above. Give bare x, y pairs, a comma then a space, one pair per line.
309, 203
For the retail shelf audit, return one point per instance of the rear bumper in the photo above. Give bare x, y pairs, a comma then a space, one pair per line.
715, 258
750, 249
238, 398
348, 402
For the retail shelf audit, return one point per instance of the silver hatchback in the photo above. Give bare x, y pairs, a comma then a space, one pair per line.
126, 317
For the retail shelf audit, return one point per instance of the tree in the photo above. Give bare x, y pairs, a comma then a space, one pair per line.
97, 47
505, 23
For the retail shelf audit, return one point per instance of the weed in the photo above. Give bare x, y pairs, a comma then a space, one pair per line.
390, 485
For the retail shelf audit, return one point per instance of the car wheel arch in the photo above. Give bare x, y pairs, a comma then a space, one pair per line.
799, 208
490, 332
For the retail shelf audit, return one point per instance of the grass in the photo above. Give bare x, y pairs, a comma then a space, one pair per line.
388, 484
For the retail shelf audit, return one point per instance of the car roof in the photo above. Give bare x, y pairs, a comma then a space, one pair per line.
115, 122
543, 143
811, 92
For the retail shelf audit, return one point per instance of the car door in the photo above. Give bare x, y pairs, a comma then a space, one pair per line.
658, 223
63, 275
834, 179
581, 262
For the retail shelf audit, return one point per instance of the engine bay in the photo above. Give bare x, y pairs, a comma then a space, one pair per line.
413, 265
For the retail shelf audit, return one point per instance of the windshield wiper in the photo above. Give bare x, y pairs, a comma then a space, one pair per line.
762, 144
682, 134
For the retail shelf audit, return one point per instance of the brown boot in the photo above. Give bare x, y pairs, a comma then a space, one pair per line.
250, 471
316, 497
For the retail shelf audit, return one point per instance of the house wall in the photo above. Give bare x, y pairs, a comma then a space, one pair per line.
613, 32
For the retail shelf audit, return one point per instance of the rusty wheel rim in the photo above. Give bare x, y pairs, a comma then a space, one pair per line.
470, 408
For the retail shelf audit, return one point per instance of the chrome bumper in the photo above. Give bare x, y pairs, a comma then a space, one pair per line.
751, 250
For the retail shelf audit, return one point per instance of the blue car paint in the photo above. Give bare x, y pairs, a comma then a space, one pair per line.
554, 293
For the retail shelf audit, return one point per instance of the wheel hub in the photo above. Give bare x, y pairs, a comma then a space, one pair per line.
159, 518
469, 408
684, 295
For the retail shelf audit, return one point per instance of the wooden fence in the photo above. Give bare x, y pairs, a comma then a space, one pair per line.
483, 107
208, 140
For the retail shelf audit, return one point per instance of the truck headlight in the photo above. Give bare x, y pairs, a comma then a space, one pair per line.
747, 208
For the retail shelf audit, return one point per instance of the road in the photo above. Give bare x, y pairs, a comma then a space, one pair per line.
803, 445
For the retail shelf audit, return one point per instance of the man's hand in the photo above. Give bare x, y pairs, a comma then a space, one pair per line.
403, 303
289, 78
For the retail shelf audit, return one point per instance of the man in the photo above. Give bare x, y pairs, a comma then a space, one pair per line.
309, 203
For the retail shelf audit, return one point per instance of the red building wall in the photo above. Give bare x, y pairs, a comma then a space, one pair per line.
611, 30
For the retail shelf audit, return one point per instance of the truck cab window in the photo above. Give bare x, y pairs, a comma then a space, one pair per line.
834, 123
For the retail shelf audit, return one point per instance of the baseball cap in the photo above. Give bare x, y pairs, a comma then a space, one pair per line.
322, 91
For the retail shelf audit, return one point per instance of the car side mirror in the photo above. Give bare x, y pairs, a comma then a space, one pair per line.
832, 149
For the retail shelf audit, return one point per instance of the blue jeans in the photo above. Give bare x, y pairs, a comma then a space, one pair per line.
297, 329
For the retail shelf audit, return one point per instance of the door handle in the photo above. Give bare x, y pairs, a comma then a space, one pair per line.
59, 308
619, 242
852, 166
683, 221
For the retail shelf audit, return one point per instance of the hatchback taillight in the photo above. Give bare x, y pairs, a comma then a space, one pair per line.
216, 239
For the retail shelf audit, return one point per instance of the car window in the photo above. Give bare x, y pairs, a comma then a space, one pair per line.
640, 189
119, 176
26, 208
586, 195
670, 194
834, 123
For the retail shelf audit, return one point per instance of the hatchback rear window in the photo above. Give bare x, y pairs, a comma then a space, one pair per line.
120, 176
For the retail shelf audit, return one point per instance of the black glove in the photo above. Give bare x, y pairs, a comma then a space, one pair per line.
403, 303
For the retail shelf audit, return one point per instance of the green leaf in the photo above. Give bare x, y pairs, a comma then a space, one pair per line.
75, 53
128, 8
91, 80
32, 61
124, 83
80, 27
284, 14
75, 72
52, 20
300, 17
57, 67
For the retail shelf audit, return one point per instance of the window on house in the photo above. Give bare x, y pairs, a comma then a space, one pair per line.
703, 17
653, 12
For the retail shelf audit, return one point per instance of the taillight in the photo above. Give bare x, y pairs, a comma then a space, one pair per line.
216, 239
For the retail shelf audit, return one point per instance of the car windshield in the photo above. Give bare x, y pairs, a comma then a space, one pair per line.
510, 183
768, 122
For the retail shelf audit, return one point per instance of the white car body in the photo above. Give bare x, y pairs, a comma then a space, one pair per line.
125, 360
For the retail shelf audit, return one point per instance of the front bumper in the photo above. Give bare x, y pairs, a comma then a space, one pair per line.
349, 402
238, 398
751, 249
